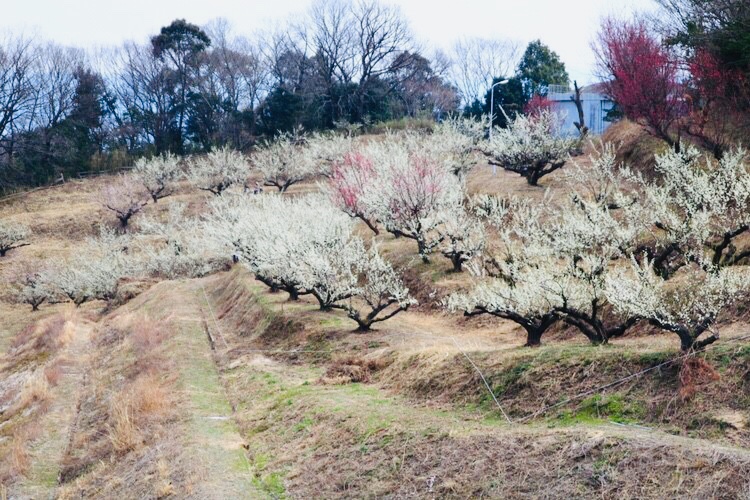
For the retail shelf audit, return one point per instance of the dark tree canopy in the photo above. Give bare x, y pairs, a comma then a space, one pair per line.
539, 68
510, 96
180, 41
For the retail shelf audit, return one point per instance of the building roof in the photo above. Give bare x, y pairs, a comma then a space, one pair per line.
592, 92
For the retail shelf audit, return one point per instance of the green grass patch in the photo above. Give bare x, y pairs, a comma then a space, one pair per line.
602, 408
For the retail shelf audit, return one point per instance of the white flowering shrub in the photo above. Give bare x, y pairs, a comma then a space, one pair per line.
515, 278
454, 143
94, 272
523, 297
12, 236
218, 170
124, 197
531, 146
550, 262
158, 174
31, 285
699, 210
381, 293
687, 304
462, 235
327, 150
175, 247
284, 162
306, 246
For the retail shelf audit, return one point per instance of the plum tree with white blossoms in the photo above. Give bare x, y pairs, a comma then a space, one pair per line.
531, 146
454, 143
94, 273
521, 298
218, 170
327, 150
12, 236
551, 262
31, 285
463, 237
306, 246
699, 210
284, 162
158, 174
380, 295
174, 246
688, 304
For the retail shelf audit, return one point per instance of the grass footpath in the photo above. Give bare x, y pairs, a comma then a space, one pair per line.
213, 439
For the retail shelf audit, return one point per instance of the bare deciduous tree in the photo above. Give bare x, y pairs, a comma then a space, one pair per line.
476, 61
124, 197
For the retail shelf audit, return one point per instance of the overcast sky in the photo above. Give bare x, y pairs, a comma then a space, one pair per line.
566, 26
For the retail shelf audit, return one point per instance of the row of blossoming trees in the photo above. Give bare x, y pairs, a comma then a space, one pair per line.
615, 251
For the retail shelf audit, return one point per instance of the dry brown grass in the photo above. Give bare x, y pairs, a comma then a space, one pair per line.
133, 410
694, 374
35, 391
19, 457
123, 432
353, 369
43, 338
54, 371
147, 336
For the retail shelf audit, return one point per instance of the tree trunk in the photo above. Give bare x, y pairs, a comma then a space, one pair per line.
534, 336
422, 247
458, 263
369, 224
581, 123
363, 326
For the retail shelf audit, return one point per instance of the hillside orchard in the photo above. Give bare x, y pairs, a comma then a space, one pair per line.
617, 250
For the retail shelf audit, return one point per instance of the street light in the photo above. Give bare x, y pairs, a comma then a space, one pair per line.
492, 104
492, 113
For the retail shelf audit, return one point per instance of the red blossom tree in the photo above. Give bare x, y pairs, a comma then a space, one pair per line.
538, 104
712, 101
641, 76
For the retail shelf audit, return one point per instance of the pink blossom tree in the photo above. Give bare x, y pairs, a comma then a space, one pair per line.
350, 179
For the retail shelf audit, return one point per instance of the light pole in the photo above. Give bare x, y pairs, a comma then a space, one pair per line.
492, 104
492, 113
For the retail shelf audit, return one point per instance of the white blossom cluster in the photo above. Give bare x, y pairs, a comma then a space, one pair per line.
124, 197
93, 273
699, 209
284, 162
218, 170
12, 236
175, 246
304, 246
158, 174
592, 262
687, 304
454, 144
327, 150
531, 146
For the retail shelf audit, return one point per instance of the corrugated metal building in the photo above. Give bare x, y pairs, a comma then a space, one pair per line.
595, 107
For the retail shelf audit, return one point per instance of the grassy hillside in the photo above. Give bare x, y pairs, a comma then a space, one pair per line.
215, 387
